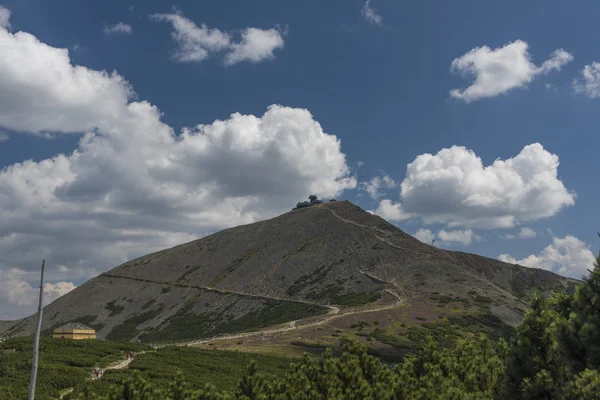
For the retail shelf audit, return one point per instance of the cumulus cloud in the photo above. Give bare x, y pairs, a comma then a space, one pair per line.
568, 256
4, 17
524, 233
19, 297
133, 186
117, 28
425, 235
502, 69
256, 45
454, 187
196, 43
590, 83
392, 211
372, 187
371, 15
464, 237
48, 93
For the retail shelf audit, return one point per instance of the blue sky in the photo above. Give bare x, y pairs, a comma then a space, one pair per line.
376, 75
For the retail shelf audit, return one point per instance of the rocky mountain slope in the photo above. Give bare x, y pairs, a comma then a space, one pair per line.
326, 259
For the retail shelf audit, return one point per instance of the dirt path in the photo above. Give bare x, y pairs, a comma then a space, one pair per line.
119, 364
116, 365
334, 312
221, 291
292, 326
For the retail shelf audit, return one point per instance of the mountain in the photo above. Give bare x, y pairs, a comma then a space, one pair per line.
308, 267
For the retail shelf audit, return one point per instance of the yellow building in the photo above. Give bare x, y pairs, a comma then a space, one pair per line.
74, 330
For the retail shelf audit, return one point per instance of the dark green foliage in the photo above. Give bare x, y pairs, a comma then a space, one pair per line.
317, 276
188, 271
273, 313
196, 367
484, 323
449, 299
332, 292
113, 308
579, 332
148, 303
89, 321
483, 299
470, 370
63, 363
585, 386
187, 325
128, 329
555, 354
354, 299
535, 369
388, 337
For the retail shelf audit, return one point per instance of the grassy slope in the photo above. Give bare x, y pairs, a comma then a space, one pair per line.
185, 325
221, 368
63, 363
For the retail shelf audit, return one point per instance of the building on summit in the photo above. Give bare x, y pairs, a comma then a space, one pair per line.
74, 330
313, 201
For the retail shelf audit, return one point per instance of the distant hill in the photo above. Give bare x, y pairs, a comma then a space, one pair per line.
325, 259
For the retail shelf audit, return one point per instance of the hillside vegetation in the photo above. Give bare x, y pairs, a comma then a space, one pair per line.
285, 269
555, 354
63, 363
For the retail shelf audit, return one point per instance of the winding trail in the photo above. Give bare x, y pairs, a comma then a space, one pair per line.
281, 330
116, 365
334, 312
221, 291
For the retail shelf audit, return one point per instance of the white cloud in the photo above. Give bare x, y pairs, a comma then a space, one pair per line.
591, 81
18, 297
4, 137
502, 69
257, 45
464, 237
196, 43
59, 96
117, 28
89, 210
372, 187
568, 256
4, 17
391, 211
524, 233
454, 187
371, 15
527, 233
557, 60
425, 235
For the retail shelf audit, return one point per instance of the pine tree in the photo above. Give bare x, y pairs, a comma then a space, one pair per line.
586, 386
535, 369
579, 332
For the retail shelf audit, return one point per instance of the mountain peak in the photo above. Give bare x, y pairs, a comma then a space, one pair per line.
307, 262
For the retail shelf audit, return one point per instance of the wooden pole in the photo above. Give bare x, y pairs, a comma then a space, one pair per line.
36, 339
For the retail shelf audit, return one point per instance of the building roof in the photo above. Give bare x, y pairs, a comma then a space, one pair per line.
74, 325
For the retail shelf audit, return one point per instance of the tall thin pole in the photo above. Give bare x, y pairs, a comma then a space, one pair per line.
36, 339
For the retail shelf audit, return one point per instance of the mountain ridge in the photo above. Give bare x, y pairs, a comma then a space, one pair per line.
291, 267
